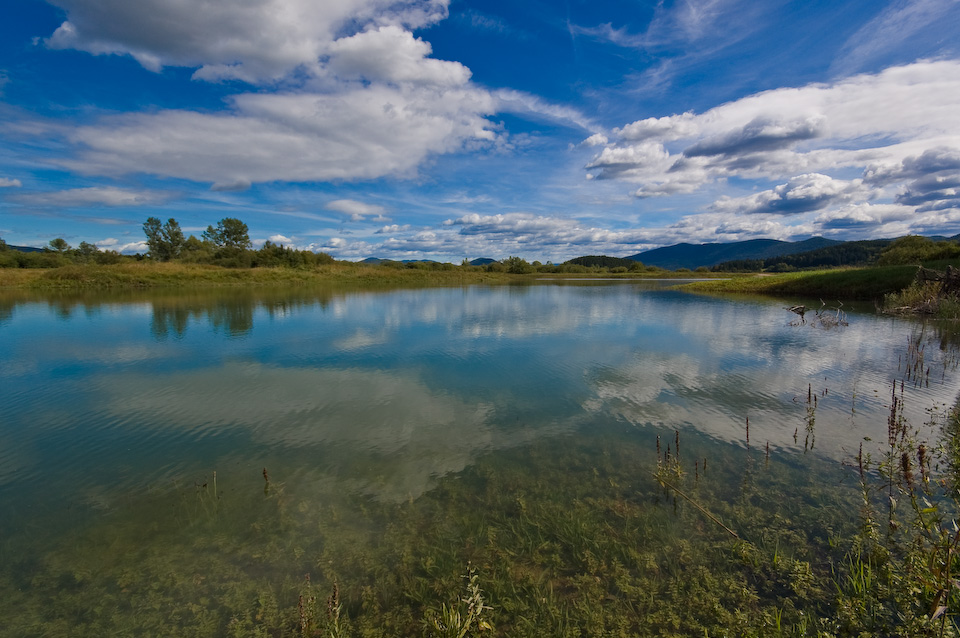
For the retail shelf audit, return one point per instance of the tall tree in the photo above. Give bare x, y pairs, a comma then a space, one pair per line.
59, 244
165, 241
230, 234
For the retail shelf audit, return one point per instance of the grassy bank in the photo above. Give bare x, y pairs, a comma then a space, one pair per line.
149, 274
852, 283
171, 275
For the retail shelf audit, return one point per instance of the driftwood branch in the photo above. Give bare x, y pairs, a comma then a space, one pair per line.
949, 280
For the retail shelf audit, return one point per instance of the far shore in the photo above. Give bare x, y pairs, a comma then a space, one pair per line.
179, 275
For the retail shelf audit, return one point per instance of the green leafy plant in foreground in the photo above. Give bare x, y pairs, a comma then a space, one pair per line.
465, 617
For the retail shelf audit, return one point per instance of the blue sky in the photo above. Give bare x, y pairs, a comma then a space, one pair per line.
451, 129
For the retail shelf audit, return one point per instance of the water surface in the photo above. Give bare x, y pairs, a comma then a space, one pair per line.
112, 400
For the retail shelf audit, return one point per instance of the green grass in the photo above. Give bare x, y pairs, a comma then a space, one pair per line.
166, 275
180, 275
852, 283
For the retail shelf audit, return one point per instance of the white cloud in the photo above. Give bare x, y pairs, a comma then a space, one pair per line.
683, 23
597, 139
357, 211
112, 243
893, 126
519, 102
363, 98
6, 182
667, 128
281, 239
800, 194
362, 132
95, 196
254, 40
393, 228
392, 54
901, 21
866, 216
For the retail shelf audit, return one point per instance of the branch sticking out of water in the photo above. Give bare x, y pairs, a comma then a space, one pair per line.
699, 507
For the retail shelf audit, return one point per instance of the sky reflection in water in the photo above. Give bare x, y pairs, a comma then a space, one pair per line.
382, 393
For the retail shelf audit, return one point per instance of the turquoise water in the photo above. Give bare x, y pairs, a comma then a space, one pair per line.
109, 400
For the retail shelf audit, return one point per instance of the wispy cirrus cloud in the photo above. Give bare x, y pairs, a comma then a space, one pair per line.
94, 196
899, 22
358, 211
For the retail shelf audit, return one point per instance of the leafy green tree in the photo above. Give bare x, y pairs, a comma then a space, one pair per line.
87, 249
3, 245
230, 234
517, 266
914, 249
60, 245
165, 241
196, 251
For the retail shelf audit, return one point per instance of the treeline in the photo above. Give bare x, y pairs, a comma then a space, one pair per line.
602, 261
58, 253
912, 249
227, 244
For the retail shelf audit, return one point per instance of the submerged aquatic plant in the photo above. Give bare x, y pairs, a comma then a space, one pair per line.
465, 617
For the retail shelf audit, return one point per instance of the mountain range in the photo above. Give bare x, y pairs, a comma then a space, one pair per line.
695, 255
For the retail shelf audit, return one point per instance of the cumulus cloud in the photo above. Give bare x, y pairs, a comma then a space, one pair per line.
632, 162
930, 181
758, 135
95, 196
866, 216
801, 194
392, 54
597, 139
362, 132
393, 228
252, 41
362, 97
6, 182
127, 248
898, 128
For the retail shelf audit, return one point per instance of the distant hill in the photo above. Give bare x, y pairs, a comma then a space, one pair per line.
480, 261
25, 249
376, 261
848, 253
695, 255
602, 261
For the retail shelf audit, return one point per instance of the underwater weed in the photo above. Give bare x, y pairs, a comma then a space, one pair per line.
462, 618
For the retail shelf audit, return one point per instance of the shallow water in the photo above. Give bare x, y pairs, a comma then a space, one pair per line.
126, 412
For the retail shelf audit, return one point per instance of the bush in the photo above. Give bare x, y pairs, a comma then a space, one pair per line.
914, 249
517, 266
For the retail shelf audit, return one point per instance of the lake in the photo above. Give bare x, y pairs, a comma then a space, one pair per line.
252, 462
